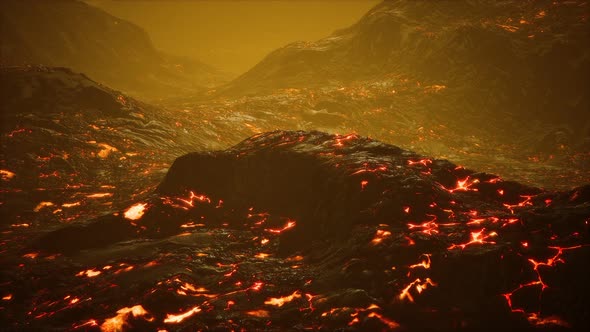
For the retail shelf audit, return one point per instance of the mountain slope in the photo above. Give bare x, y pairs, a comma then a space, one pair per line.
530, 59
71, 33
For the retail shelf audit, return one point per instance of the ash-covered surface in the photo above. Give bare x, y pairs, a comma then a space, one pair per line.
307, 230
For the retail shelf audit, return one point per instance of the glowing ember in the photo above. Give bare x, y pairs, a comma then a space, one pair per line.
88, 323
20, 225
42, 205
6, 174
31, 255
88, 273
464, 185
136, 211
257, 286
175, 319
425, 262
7, 297
99, 195
418, 285
69, 205
427, 227
380, 235
262, 255
525, 202
258, 313
339, 139
535, 319
280, 301
116, 323
191, 200
106, 150
364, 184
423, 162
391, 324
290, 224
476, 238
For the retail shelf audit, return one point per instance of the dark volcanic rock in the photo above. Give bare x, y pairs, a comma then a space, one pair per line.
344, 232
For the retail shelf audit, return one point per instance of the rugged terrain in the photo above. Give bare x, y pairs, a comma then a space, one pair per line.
505, 70
424, 169
299, 230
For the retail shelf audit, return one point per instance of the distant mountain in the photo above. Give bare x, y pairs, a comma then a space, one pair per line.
530, 58
71, 33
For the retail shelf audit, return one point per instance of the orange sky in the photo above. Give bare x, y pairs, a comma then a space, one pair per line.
235, 35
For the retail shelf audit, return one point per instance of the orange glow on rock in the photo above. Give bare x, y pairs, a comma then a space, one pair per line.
88, 323
280, 301
69, 205
31, 255
427, 227
42, 205
194, 197
175, 319
464, 185
88, 273
476, 238
418, 285
6, 175
99, 195
136, 211
106, 150
290, 224
380, 235
258, 313
535, 319
390, 324
525, 202
551, 261
425, 262
364, 184
116, 324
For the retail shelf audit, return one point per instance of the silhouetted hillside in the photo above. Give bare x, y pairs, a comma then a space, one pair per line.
525, 58
71, 33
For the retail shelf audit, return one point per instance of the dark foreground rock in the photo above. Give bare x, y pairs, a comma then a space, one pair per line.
306, 230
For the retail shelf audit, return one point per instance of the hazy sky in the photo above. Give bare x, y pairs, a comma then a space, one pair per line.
235, 35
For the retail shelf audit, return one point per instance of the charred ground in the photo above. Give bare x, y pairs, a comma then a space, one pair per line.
358, 235
117, 214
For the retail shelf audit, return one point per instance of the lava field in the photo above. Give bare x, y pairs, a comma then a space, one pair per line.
308, 230
425, 169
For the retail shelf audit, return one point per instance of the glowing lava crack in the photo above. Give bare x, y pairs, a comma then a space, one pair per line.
277, 234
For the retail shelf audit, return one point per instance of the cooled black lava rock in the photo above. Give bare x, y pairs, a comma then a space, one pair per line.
386, 237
